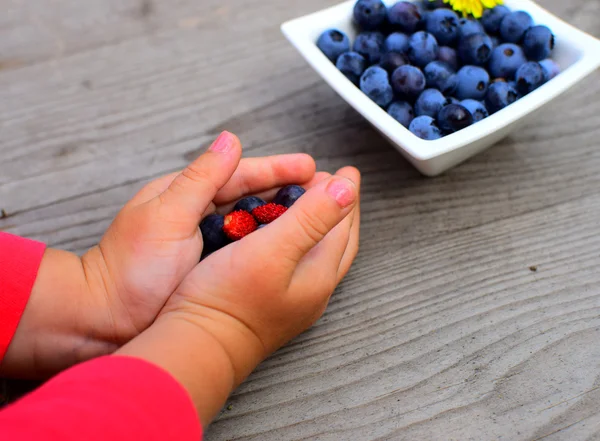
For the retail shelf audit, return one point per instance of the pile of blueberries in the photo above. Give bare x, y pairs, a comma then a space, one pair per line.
214, 230
435, 72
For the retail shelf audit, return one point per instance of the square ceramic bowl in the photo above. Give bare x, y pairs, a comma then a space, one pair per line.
577, 53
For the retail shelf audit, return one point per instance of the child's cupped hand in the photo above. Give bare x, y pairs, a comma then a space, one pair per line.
154, 242
256, 294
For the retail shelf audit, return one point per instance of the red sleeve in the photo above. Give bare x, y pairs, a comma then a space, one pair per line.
19, 263
111, 398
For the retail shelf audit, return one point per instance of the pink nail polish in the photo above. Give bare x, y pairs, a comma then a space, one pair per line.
223, 143
342, 190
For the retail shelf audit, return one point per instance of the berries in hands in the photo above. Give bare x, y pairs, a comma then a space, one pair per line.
288, 195
248, 204
268, 213
213, 236
239, 224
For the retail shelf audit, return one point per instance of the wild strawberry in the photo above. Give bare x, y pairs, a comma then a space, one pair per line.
268, 213
238, 224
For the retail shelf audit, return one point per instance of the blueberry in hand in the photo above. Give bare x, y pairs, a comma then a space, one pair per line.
333, 43
402, 112
448, 55
391, 61
468, 26
538, 43
499, 96
405, 17
408, 82
375, 83
529, 77
369, 14
514, 26
422, 49
475, 49
287, 196
473, 82
370, 46
248, 204
476, 108
443, 25
492, 18
212, 233
396, 42
440, 75
430, 102
551, 69
425, 128
505, 60
352, 65
453, 118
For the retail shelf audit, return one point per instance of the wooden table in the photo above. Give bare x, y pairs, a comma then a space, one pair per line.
473, 310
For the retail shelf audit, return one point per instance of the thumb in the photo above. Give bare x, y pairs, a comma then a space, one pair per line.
192, 191
308, 221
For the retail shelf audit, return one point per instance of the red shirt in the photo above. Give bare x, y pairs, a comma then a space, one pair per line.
110, 398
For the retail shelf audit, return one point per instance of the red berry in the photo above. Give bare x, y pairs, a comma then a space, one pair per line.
238, 224
268, 213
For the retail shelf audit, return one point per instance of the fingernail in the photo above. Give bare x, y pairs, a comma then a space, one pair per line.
223, 143
343, 191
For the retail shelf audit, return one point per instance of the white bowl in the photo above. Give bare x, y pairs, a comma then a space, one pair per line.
577, 53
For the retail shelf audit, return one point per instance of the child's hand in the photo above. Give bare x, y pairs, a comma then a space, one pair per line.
155, 241
249, 298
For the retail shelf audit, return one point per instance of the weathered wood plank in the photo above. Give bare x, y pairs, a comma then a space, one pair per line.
441, 331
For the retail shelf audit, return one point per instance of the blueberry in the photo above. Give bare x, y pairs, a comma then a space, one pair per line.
248, 204
375, 83
404, 16
505, 60
402, 112
408, 82
212, 233
514, 25
396, 42
453, 118
499, 96
476, 108
475, 49
391, 61
551, 69
352, 65
473, 82
538, 43
424, 127
448, 55
422, 49
443, 25
369, 14
287, 196
333, 43
467, 27
430, 102
453, 100
529, 77
495, 41
370, 46
440, 75
492, 18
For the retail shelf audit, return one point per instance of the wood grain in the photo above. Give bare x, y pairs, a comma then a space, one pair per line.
441, 331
